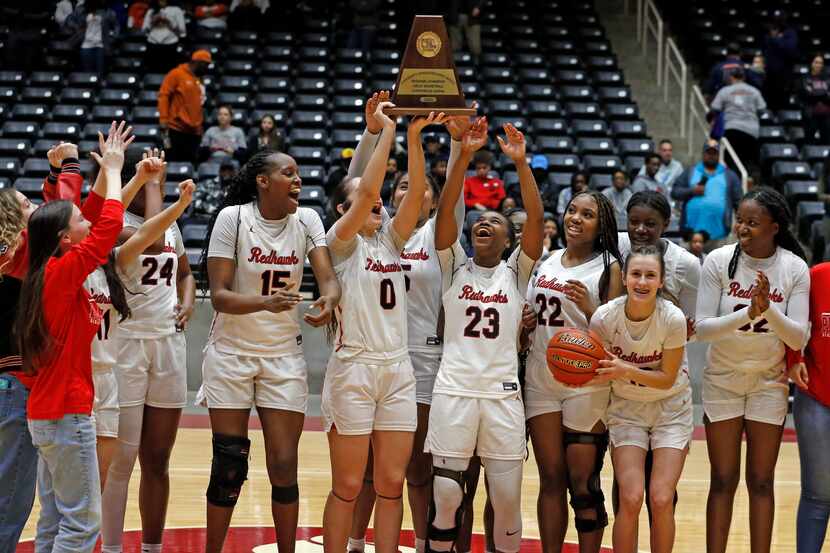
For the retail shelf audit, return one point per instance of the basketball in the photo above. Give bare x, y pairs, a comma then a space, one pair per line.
573, 356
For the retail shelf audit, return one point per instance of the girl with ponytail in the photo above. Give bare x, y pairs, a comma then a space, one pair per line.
753, 303
254, 261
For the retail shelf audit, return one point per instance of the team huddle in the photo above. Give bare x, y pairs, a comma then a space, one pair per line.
439, 356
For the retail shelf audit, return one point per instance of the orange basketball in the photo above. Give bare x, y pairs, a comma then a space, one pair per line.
573, 356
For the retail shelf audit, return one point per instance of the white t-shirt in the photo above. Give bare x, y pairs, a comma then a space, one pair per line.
165, 34
105, 344
151, 286
754, 346
269, 255
482, 319
682, 273
642, 344
93, 38
371, 316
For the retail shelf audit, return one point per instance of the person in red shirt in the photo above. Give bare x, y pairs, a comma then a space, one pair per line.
56, 321
482, 192
811, 410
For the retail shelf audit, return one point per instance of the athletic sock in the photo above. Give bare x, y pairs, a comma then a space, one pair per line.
420, 545
356, 545
150, 548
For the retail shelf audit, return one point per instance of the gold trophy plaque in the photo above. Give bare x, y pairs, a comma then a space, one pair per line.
427, 80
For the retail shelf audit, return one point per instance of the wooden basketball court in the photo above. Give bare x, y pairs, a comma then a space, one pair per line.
190, 471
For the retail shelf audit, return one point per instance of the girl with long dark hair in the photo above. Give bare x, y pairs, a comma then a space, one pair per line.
753, 301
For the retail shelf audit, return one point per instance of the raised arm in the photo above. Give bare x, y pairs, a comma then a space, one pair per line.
368, 190
406, 217
149, 232
533, 232
369, 139
125, 138
151, 168
457, 125
446, 227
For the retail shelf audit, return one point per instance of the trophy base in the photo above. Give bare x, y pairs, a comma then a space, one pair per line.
397, 111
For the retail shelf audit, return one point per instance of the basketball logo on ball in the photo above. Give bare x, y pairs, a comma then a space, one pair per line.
573, 356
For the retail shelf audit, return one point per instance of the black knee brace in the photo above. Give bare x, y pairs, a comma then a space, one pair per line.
446, 534
229, 469
285, 495
594, 499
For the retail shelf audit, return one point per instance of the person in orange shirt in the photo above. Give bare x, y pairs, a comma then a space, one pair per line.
180, 102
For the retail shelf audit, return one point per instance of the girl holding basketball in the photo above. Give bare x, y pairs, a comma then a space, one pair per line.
753, 301
651, 400
567, 425
477, 407
369, 388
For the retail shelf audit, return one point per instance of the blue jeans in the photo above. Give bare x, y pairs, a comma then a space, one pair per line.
18, 462
812, 426
68, 484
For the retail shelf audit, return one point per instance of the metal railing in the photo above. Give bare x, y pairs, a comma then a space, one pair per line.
698, 108
652, 24
726, 148
677, 69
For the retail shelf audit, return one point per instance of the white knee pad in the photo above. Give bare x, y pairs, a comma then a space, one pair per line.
504, 484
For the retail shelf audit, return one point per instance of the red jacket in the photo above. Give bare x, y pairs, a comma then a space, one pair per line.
64, 373
817, 353
180, 101
487, 192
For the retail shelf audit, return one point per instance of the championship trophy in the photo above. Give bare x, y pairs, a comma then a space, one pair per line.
427, 80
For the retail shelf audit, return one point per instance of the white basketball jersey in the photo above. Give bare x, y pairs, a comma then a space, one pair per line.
270, 256
682, 272
754, 347
151, 286
665, 329
422, 272
546, 295
482, 318
105, 344
371, 316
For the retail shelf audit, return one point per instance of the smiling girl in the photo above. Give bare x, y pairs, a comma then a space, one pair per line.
651, 400
753, 301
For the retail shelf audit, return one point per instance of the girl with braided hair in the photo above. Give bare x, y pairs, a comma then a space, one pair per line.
567, 425
254, 260
753, 303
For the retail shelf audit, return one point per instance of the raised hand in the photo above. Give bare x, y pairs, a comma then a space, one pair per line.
457, 125
152, 165
113, 148
381, 118
760, 296
476, 136
417, 124
61, 151
515, 146
186, 190
369, 111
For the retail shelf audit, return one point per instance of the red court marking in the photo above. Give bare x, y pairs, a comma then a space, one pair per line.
244, 539
315, 424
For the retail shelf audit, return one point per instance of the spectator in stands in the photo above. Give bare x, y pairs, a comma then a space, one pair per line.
579, 183
740, 104
438, 170
539, 165
550, 241
268, 136
136, 14
63, 9
756, 74
508, 204
482, 191
209, 194
246, 15
697, 243
93, 28
647, 179
365, 24
517, 217
432, 148
339, 171
211, 15
814, 93
464, 17
224, 140
164, 25
180, 102
780, 47
669, 169
389, 180
719, 75
619, 194
710, 192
